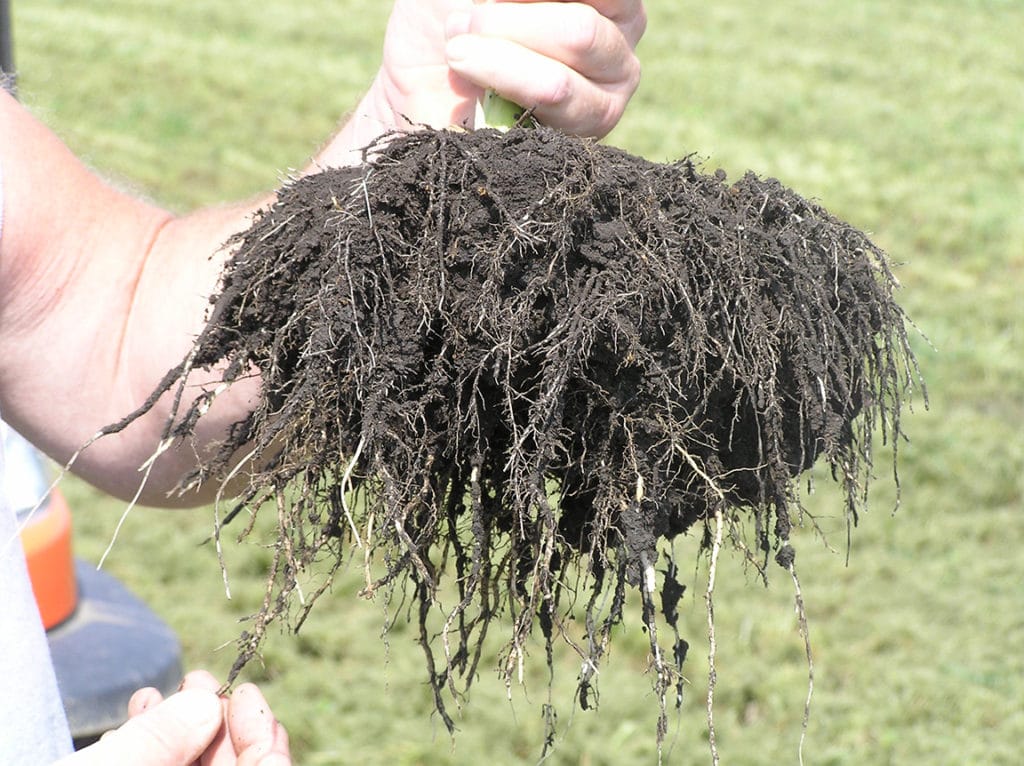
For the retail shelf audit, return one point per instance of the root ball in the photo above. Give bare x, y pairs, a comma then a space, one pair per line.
499, 356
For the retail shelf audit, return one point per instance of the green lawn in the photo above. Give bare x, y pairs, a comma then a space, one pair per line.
907, 119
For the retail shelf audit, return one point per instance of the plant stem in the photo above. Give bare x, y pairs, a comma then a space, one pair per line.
499, 112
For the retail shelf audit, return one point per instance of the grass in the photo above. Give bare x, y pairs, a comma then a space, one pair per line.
906, 119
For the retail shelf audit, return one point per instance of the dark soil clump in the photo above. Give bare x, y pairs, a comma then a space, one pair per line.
511, 357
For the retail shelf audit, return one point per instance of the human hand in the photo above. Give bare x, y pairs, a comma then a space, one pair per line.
573, 63
193, 726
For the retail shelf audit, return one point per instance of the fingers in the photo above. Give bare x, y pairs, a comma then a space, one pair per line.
257, 736
220, 751
195, 725
149, 697
628, 15
572, 33
174, 732
200, 679
559, 96
569, 63
143, 700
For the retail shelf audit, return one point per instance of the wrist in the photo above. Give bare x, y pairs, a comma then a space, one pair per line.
372, 118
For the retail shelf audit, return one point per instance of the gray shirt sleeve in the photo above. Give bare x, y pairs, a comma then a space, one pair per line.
33, 727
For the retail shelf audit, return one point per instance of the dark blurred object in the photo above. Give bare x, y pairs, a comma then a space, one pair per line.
7, 76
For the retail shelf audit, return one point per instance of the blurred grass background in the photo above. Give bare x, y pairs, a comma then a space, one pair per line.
906, 119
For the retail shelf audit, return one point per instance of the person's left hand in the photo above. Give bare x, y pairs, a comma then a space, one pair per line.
193, 727
250, 734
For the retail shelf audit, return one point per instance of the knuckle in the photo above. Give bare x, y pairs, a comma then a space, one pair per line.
557, 91
614, 107
583, 28
635, 71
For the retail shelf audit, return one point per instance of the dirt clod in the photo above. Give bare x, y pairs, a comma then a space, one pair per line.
504, 357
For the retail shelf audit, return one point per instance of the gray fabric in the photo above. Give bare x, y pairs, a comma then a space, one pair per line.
33, 729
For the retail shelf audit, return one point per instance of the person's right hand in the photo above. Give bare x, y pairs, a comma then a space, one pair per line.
572, 62
193, 726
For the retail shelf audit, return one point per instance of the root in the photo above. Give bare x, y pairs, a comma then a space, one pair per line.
787, 559
709, 599
516, 361
146, 469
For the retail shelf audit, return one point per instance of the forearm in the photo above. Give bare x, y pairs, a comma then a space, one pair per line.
101, 294
75, 262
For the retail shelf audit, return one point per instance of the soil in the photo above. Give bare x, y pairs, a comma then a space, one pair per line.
505, 358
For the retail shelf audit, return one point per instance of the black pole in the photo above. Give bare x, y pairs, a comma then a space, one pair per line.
6, 47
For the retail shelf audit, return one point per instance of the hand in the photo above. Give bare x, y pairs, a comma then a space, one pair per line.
194, 726
573, 63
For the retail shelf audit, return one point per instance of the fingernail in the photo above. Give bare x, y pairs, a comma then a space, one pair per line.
457, 24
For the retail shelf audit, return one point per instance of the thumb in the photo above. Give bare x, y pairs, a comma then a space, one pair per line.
174, 733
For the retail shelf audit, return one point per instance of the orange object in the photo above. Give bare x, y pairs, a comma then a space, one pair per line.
47, 543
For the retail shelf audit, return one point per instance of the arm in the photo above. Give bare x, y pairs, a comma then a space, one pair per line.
101, 293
